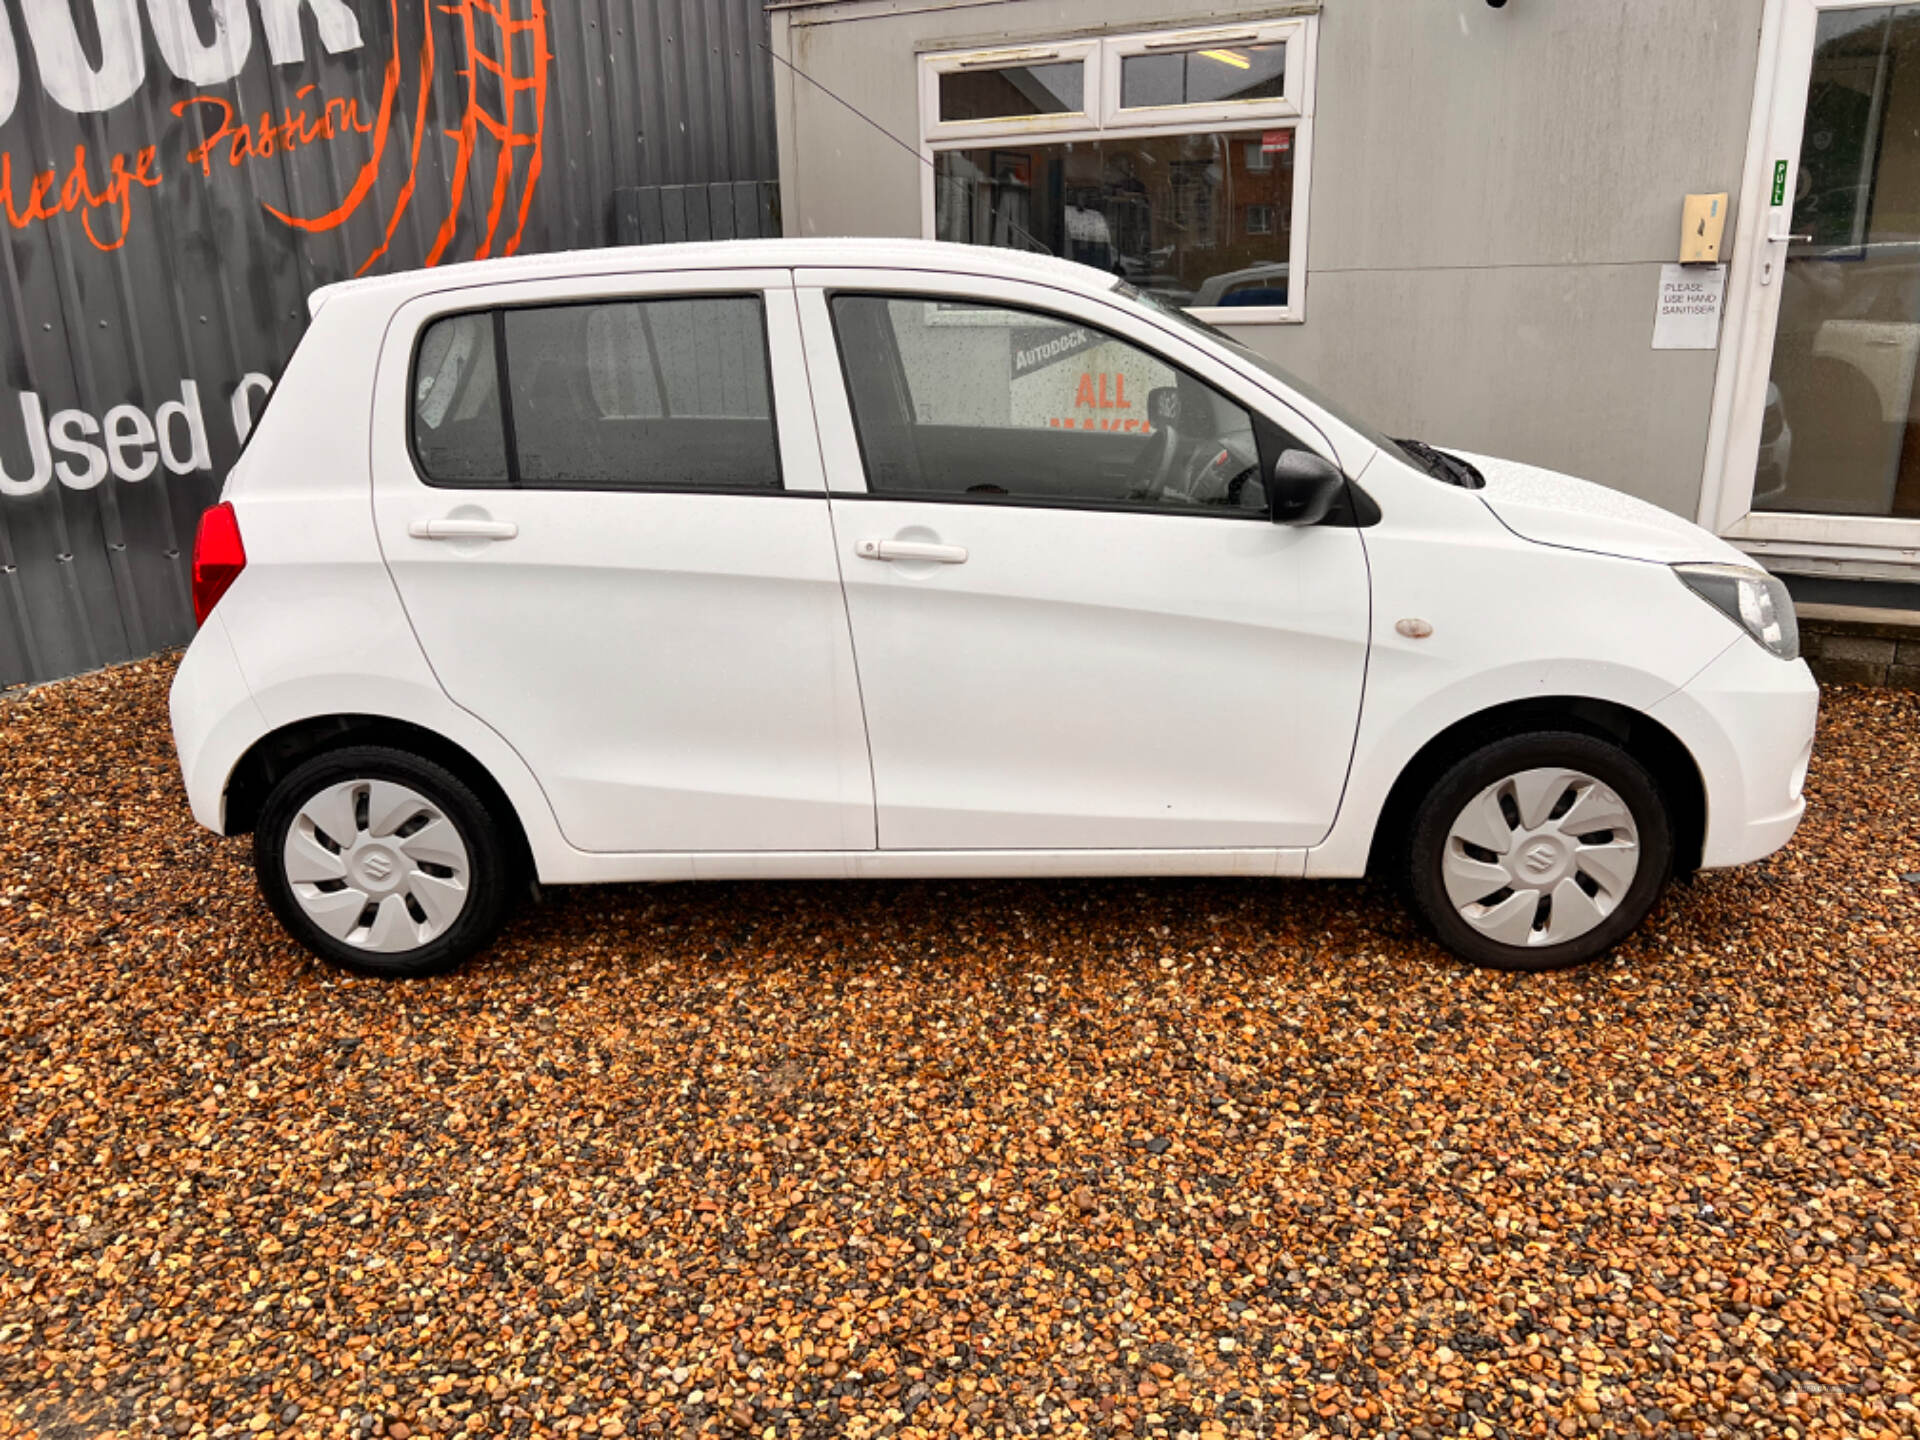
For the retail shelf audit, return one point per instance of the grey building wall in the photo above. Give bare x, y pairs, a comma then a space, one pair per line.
1493, 193
267, 147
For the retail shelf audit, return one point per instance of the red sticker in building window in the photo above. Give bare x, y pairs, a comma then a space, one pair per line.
1275, 141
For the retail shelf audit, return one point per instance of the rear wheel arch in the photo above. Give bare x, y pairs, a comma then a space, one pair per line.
280, 752
1639, 734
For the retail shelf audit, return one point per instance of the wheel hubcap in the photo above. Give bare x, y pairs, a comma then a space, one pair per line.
377, 865
1540, 857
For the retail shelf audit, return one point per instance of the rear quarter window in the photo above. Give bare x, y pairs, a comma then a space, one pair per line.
459, 434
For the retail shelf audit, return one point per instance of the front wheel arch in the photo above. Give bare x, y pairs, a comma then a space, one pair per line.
1648, 741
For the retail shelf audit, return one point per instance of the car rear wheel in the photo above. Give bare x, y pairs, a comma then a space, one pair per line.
382, 861
1539, 851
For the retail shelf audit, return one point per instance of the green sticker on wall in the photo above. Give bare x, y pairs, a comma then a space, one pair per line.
1779, 182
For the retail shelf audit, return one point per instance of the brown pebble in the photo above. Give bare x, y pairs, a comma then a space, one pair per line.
824, 1154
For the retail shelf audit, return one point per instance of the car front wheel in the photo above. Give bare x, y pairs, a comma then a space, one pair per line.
382, 861
1539, 851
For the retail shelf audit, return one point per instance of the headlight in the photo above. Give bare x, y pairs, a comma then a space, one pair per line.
1752, 599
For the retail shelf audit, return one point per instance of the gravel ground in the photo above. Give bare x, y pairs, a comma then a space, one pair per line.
1113, 1158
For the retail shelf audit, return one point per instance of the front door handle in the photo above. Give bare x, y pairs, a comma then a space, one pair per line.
910, 550
463, 529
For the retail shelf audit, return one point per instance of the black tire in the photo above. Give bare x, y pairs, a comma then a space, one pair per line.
1467, 778
490, 882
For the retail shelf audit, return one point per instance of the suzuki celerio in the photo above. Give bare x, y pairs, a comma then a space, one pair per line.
881, 558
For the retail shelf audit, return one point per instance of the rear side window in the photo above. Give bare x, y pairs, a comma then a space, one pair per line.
458, 433
671, 394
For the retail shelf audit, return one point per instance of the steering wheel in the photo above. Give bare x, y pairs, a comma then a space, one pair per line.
1237, 486
1218, 476
1153, 467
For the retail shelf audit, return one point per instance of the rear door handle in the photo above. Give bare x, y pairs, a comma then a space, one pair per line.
910, 550
451, 529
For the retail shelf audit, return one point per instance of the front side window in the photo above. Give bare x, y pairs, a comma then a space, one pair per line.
670, 394
963, 402
1178, 175
1247, 355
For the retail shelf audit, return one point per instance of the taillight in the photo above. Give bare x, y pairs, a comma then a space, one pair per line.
218, 559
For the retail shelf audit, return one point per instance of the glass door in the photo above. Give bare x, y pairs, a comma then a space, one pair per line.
1824, 440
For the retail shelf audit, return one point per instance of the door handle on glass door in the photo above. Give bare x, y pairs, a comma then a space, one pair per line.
910, 550
463, 529
1773, 238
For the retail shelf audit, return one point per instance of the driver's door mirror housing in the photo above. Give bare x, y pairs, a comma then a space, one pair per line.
1303, 488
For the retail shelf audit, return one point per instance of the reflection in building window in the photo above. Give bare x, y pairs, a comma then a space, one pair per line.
1011, 90
1208, 76
1155, 210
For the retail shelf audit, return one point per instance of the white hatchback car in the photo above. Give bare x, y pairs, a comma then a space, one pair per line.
880, 558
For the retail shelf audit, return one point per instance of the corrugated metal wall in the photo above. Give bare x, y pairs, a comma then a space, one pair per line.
177, 175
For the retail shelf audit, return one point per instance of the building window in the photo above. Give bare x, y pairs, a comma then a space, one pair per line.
1177, 161
1195, 77
1009, 91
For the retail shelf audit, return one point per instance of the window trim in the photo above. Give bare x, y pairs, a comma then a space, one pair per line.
509, 437
831, 294
514, 481
1106, 119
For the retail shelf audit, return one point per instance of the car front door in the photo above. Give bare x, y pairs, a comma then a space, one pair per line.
1076, 626
606, 518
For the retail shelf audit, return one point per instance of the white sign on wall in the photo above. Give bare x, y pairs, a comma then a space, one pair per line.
1688, 317
81, 449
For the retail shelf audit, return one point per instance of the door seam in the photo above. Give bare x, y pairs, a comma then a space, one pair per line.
839, 560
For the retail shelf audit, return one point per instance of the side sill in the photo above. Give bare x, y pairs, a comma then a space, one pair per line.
580, 868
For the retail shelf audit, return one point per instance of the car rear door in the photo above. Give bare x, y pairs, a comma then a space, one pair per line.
603, 506
1076, 626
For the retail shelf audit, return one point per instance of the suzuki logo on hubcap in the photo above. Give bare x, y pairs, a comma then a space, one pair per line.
377, 866
1540, 857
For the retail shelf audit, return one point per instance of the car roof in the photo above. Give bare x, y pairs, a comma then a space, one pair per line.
845, 252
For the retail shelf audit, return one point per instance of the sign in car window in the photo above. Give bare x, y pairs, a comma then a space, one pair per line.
982, 365
1082, 380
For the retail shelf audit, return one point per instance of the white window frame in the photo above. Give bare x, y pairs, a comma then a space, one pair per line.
1105, 119
1294, 34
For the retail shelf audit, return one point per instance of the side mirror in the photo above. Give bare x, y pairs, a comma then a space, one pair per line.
1303, 488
